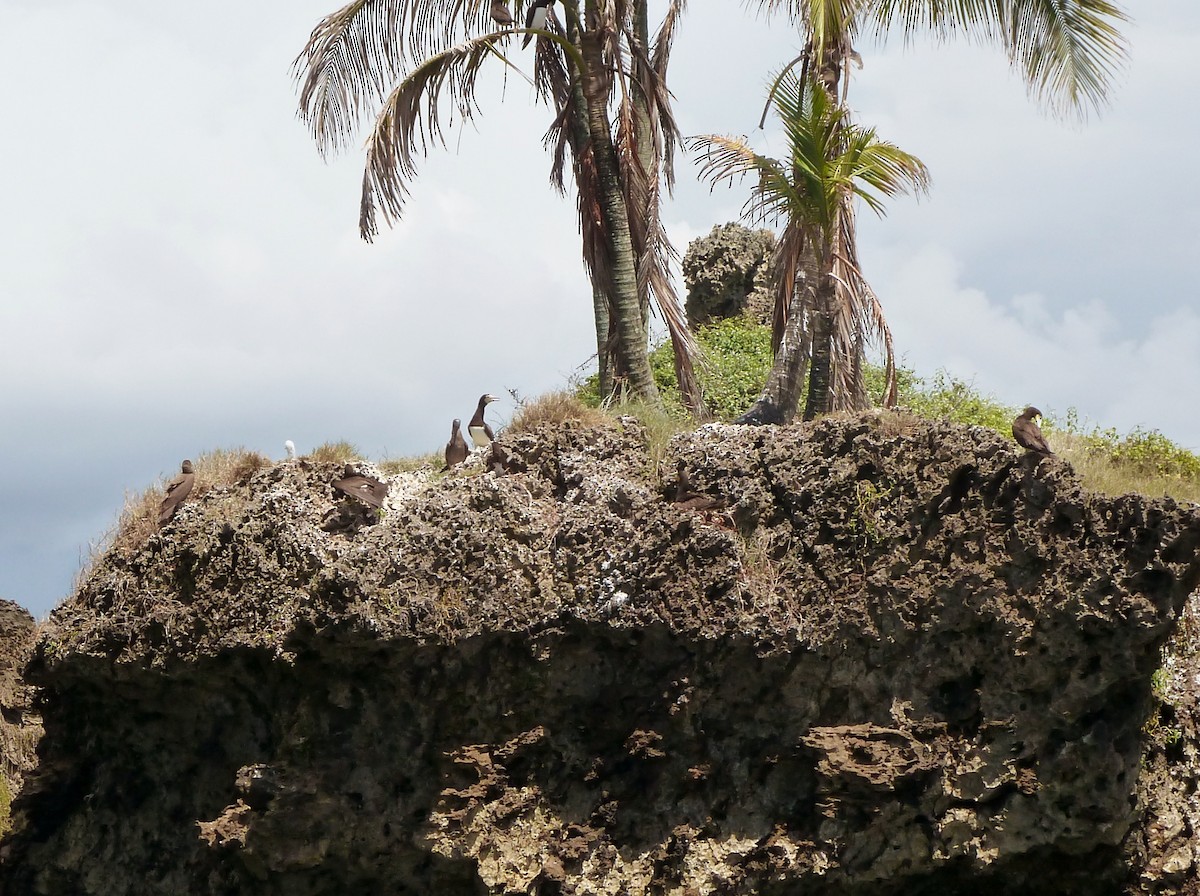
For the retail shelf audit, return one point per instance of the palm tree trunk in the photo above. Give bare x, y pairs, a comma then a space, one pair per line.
780, 396
604, 352
632, 350
818, 374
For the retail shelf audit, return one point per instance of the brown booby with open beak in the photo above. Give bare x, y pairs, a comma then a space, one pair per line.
456, 448
481, 433
367, 489
177, 489
1025, 430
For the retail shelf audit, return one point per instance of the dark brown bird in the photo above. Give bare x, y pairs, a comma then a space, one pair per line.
1027, 433
500, 14
177, 489
686, 498
481, 433
456, 448
367, 489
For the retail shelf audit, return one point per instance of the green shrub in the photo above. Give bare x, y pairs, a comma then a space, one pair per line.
737, 359
945, 397
1140, 452
5, 807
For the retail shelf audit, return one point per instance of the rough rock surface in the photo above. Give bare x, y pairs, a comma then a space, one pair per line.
1164, 848
728, 273
20, 727
871, 655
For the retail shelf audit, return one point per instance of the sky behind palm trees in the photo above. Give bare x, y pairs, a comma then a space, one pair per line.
180, 271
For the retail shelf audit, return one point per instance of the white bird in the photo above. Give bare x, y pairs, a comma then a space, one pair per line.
291, 449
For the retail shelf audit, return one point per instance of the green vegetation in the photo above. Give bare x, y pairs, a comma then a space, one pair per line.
5, 806
334, 453
736, 355
737, 359
947, 398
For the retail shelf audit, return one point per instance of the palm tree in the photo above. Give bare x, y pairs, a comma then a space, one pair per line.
1068, 52
415, 60
828, 312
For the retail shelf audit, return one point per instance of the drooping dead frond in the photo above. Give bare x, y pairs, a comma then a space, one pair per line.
858, 322
646, 137
411, 118
355, 54
726, 159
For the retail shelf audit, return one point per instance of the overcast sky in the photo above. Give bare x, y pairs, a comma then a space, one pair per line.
180, 271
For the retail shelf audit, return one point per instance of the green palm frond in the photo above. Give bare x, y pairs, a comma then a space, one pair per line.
829, 156
1069, 51
411, 119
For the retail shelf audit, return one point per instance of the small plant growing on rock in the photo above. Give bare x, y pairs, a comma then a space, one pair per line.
335, 453
556, 407
864, 525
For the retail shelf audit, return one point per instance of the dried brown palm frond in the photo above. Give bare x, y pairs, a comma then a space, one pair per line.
660, 58
411, 119
858, 322
355, 54
647, 135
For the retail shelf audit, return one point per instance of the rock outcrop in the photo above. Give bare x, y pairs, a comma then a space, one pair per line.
728, 273
20, 726
871, 655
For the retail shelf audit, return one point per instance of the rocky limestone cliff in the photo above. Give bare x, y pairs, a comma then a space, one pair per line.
20, 727
728, 273
870, 655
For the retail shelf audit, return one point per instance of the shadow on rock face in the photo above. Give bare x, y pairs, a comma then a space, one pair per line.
871, 655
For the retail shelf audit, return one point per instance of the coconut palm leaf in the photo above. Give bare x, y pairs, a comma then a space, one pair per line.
354, 54
831, 161
1069, 51
411, 118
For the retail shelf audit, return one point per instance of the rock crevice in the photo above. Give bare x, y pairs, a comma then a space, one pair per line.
881, 655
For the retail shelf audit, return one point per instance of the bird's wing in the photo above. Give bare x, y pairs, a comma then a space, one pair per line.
181, 483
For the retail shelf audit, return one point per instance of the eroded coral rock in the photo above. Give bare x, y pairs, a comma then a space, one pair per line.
888, 656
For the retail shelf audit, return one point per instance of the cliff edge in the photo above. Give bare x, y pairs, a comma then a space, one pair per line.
871, 655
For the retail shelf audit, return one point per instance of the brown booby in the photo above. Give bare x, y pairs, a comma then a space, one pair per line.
481, 433
367, 489
177, 489
686, 498
456, 448
535, 17
1027, 433
500, 14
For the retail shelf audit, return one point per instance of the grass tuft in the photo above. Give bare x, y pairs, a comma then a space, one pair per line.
139, 517
394, 466
556, 407
334, 453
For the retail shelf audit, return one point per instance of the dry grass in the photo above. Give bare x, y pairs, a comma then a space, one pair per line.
896, 423
556, 407
334, 453
393, 466
139, 517
1100, 473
